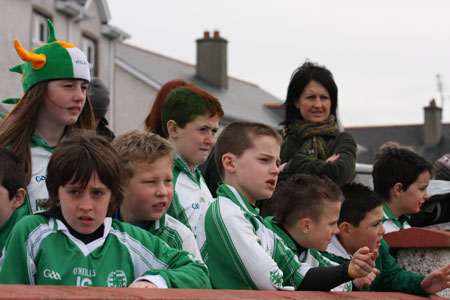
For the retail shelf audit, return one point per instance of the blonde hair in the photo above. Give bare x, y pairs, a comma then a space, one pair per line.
19, 126
137, 146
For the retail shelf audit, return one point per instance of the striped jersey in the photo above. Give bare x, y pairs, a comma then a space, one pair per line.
391, 223
191, 198
241, 249
42, 251
36, 189
312, 258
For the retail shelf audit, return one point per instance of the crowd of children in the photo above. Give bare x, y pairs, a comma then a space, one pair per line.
77, 209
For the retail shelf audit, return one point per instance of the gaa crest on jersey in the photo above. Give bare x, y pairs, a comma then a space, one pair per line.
52, 274
117, 278
276, 277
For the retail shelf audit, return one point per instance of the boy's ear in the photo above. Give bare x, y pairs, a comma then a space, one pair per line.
305, 225
345, 229
397, 189
228, 162
19, 198
172, 129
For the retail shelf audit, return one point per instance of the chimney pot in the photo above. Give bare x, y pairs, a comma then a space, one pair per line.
216, 34
433, 103
206, 35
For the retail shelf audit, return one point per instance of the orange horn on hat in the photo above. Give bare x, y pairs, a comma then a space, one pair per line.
38, 60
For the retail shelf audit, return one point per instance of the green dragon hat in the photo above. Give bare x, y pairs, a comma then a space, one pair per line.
54, 60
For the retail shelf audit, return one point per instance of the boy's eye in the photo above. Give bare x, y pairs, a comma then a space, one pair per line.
98, 193
74, 192
150, 181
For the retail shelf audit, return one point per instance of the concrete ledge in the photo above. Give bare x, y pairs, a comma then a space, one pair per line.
418, 237
27, 292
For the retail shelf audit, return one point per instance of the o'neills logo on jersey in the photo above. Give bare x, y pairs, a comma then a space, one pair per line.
117, 278
84, 272
80, 62
52, 274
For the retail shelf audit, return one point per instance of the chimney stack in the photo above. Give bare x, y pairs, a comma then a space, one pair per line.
212, 59
432, 129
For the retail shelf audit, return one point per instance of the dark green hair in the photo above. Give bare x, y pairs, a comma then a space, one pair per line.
183, 105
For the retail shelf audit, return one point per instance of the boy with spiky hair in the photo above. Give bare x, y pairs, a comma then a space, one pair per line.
360, 225
190, 120
306, 210
247, 156
401, 178
12, 193
147, 164
75, 243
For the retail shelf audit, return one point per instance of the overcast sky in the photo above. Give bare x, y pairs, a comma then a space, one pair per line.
384, 54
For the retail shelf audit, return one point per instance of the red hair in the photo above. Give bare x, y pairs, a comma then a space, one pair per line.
153, 120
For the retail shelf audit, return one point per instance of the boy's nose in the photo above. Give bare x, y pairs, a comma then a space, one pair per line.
161, 190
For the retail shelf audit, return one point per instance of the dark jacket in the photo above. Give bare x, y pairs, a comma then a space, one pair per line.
341, 171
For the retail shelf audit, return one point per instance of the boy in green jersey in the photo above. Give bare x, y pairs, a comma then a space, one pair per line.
401, 178
190, 119
147, 161
12, 193
360, 225
75, 243
242, 250
306, 210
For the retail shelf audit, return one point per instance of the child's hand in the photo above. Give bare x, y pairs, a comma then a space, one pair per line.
437, 281
143, 284
362, 263
332, 158
362, 282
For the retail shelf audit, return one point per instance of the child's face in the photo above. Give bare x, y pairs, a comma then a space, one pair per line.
416, 194
195, 141
369, 232
150, 192
85, 209
322, 230
256, 170
6, 205
64, 101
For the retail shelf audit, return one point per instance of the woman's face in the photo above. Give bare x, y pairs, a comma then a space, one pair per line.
314, 103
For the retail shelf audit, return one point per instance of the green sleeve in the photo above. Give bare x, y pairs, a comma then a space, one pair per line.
183, 269
393, 278
340, 171
18, 265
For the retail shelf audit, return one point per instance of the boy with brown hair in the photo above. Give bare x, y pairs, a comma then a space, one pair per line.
147, 164
190, 119
360, 225
306, 210
12, 193
242, 250
76, 243
401, 178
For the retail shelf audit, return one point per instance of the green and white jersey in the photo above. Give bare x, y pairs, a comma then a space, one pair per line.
312, 258
192, 196
42, 251
175, 234
241, 249
36, 189
392, 224
6, 229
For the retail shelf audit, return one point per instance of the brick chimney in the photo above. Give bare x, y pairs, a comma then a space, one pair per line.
432, 129
212, 59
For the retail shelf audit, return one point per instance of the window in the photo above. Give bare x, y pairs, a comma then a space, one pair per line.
89, 47
40, 31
